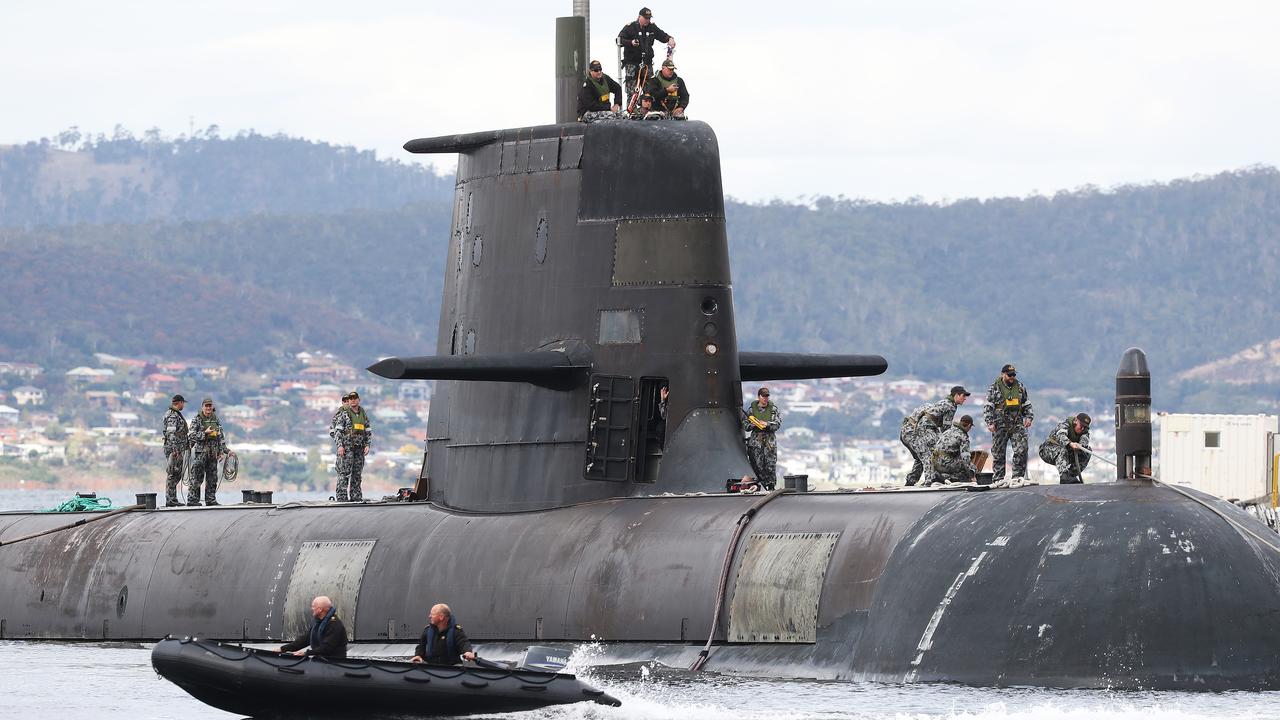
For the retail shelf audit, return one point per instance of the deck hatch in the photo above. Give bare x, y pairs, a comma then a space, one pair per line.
334, 568
779, 586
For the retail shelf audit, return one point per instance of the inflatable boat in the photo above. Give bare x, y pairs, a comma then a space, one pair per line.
262, 683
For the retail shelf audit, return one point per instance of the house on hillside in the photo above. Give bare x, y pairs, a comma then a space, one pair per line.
104, 399
214, 373
20, 369
161, 383
124, 419
333, 373
81, 377
238, 412
28, 395
314, 358
9, 415
262, 402
323, 397
413, 390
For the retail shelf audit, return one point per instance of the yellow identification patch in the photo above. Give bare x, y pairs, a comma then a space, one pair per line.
1013, 402
359, 426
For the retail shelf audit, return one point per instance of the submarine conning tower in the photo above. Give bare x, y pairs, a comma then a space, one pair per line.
588, 268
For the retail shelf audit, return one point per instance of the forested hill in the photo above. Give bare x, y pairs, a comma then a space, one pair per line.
1059, 285
74, 178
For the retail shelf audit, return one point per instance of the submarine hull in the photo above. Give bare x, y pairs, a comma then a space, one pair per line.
1116, 585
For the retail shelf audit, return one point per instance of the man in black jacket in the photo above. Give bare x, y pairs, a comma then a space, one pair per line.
327, 636
594, 95
443, 640
669, 91
636, 41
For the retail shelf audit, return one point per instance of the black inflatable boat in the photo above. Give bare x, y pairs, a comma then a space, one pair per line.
261, 683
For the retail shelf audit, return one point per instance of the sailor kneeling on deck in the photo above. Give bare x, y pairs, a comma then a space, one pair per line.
327, 636
1067, 448
443, 641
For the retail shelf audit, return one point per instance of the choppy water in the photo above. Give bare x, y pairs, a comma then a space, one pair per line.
78, 680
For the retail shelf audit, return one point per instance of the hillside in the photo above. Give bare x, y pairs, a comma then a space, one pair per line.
1255, 365
75, 301
79, 179
1060, 285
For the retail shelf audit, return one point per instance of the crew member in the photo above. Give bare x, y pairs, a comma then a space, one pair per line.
1008, 414
594, 96
1065, 448
762, 420
210, 444
327, 636
921, 428
339, 464
670, 92
175, 446
444, 642
636, 40
645, 110
951, 460
353, 435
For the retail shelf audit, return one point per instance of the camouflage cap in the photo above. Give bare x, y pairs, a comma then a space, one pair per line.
207, 401
668, 63
959, 390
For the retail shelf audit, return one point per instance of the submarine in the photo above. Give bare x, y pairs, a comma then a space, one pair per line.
587, 269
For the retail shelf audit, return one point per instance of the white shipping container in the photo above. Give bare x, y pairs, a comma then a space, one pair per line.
1226, 455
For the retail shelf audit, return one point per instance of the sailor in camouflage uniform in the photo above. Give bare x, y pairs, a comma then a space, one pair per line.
1063, 448
951, 460
210, 444
921, 428
339, 459
1008, 414
762, 420
175, 446
636, 40
353, 434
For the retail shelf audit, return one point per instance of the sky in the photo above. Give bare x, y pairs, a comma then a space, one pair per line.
877, 100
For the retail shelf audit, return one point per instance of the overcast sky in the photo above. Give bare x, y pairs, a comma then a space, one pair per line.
881, 100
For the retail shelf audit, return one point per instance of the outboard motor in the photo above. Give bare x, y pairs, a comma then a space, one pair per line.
545, 658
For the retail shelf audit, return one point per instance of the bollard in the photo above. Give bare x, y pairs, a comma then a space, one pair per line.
799, 483
147, 500
247, 496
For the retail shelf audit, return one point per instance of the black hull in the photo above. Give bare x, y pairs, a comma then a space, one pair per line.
1105, 586
267, 684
